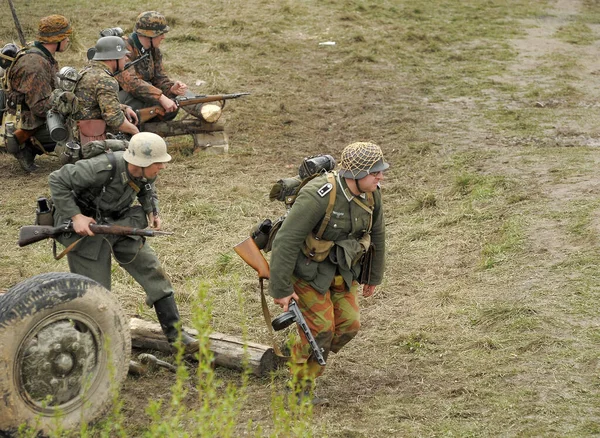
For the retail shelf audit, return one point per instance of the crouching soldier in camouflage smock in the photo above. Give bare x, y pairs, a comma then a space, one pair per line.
102, 189
97, 93
147, 84
324, 282
30, 82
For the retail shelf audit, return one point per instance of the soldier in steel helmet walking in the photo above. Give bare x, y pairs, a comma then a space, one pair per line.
319, 261
97, 92
30, 81
102, 189
147, 84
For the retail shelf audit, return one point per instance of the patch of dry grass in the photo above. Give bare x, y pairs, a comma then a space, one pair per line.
486, 323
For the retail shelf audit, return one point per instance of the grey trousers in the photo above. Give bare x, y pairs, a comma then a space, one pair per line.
133, 255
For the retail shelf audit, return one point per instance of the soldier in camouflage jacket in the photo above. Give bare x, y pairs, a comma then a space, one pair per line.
97, 89
148, 84
30, 82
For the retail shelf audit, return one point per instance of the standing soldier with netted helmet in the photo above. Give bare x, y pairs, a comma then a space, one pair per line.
30, 81
332, 239
101, 190
147, 84
99, 109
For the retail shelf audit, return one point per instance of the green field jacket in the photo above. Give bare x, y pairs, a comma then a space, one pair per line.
85, 180
348, 224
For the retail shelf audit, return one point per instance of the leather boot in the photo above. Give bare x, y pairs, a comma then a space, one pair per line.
304, 392
168, 316
25, 157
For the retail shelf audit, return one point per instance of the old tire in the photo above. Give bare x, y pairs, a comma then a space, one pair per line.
64, 345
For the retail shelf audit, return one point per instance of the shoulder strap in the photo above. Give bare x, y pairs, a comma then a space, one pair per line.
332, 195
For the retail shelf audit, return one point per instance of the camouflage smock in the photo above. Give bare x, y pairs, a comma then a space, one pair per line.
146, 81
348, 223
31, 80
97, 92
84, 180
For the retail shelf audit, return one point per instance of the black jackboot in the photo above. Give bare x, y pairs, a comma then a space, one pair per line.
168, 316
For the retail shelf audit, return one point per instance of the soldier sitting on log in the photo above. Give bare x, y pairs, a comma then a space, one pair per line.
147, 84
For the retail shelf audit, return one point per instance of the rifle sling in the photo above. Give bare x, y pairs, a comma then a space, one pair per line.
267, 316
65, 251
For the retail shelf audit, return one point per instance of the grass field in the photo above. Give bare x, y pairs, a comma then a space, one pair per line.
487, 322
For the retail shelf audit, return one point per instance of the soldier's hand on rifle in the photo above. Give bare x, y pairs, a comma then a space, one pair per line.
81, 224
285, 302
368, 290
179, 88
154, 221
131, 115
167, 103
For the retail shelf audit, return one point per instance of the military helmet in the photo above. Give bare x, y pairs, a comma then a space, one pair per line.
8, 53
110, 47
361, 158
53, 29
151, 24
145, 149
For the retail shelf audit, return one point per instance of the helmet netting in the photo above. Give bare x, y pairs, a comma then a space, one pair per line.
359, 157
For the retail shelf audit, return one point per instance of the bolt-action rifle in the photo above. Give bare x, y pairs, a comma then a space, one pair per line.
29, 234
249, 252
145, 114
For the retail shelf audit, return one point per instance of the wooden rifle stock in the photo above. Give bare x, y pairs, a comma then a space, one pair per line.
250, 253
145, 114
29, 234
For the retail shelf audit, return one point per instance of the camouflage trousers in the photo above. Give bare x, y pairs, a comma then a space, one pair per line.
333, 319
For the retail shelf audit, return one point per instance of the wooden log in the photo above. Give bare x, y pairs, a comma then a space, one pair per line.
183, 127
228, 350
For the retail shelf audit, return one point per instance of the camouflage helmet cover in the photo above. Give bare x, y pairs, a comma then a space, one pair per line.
53, 29
151, 24
361, 158
110, 47
145, 149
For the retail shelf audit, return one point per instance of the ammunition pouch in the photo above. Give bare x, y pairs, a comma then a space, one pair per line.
91, 130
275, 226
260, 233
365, 243
316, 249
44, 213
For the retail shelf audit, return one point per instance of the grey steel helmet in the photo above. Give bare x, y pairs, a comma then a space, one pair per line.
110, 47
361, 158
145, 149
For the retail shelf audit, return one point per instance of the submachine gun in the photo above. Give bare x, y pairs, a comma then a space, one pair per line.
249, 252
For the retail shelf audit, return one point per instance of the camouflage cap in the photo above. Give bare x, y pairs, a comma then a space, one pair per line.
361, 158
145, 149
53, 29
151, 24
